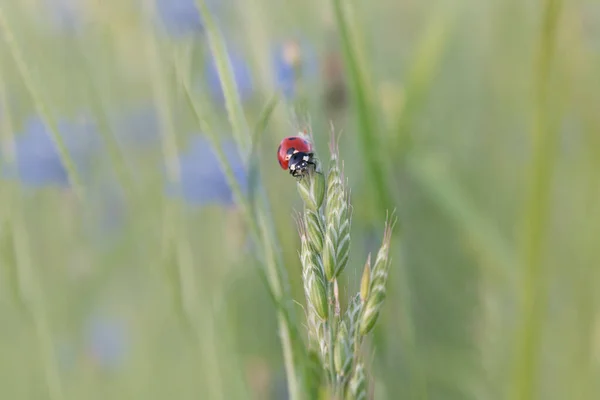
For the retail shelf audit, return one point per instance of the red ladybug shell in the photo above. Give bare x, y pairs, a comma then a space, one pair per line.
289, 146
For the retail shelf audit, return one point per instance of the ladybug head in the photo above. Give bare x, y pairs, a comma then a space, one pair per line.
300, 162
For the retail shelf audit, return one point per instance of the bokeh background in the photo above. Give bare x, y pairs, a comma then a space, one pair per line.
477, 121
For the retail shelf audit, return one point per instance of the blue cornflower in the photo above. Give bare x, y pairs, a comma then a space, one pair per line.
38, 162
242, 74
202, 180
106, 341
293, 61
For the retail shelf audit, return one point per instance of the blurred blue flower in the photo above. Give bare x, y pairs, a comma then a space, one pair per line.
182, 17
38, 162
242, 74
293, 61
202, 180
106, 341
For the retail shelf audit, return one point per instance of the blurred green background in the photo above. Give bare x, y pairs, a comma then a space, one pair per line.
477, 121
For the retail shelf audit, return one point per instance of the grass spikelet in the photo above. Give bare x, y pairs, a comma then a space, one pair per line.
351, 321
315, 334
343, 352
335, 182
378, 281
352, 318
365, 281
338, 219
312, 274
357, 387
315, 230
312, 190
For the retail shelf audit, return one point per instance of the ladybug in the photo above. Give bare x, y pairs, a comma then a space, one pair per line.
296, 155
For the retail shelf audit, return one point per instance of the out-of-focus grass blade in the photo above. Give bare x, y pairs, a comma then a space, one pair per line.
422, 72
116, 154
362, 91
40, 104
236, 190
500, 257
233, 103
536, 210
263, 120
253, 166
238, 196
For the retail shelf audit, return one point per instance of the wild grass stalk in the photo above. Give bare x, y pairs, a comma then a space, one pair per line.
425, 65
175, 242
364, 102
536, 210
324, 229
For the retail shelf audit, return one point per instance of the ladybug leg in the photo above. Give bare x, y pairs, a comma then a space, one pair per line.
312, 160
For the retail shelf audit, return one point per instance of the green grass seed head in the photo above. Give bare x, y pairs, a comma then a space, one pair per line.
336, 249
365, 281
378, 278
312, 190
330, 252
312, 275
315, 230
342, 352
371, 312
317, 292
352, 316
314, 326
352, 321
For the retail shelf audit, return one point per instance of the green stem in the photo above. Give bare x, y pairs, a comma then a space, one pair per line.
536, 210
233, 104
363, 97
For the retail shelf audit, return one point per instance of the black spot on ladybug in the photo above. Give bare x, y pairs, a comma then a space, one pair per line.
278, 149
280, 163
305, 142
291, 150
292, 138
